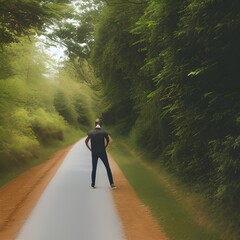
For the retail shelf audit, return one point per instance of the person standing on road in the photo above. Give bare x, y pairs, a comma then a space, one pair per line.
99, 140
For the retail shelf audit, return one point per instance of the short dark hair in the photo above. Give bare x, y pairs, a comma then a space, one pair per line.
98, 121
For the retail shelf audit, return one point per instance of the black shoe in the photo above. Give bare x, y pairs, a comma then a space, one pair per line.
93, 186
113, 186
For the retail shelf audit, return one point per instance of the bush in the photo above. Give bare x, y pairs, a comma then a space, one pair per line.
225, 154
48, 126
20, 144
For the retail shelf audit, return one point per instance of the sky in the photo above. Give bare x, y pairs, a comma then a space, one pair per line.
53, 49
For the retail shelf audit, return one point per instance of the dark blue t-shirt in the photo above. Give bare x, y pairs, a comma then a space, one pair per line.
97, 137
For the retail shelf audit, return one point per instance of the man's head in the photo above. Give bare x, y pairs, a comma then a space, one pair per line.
98, 121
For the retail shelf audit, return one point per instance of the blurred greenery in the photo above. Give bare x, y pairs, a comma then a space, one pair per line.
38, 107
43, 101
175, 218
170, 77
164, 73
71, 136
20, 18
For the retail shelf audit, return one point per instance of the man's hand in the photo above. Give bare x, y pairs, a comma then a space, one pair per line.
106, 141
86, 142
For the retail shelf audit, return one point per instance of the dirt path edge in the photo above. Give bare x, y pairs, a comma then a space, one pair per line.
19, 196
138, 222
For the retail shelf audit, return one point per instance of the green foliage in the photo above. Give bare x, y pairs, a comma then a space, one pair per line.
159, 195
47, 126
70, 137
73, 99
225, 155
5, 69
172, 67
24, 17
18, 142
30, 117
75, 31
116, 62
142, 134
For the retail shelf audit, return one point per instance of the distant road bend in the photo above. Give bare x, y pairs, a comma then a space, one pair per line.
69, 209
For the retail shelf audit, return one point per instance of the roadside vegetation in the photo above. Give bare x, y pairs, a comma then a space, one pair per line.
45, 104
170, 78
38, 108
71, 136
181, 212
162, 73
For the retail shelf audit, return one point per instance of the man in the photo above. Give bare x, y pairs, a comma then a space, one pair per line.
99, 141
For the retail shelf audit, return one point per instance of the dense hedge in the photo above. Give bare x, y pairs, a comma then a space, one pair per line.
171, 77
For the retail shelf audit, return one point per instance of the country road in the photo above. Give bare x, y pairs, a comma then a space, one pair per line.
70, 209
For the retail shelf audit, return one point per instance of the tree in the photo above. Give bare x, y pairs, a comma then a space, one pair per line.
75, 31
173, 65
116, 61
26, 17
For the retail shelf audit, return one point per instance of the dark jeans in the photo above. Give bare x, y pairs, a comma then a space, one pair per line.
104, 158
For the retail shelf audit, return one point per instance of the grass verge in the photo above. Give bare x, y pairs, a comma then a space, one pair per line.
173, 216
71, 136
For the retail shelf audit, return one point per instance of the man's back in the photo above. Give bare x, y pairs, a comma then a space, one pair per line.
97, 137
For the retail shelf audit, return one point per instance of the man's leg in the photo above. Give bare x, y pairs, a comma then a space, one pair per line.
94, 168
104, 159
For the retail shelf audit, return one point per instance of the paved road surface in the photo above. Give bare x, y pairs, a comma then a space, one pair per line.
69, 209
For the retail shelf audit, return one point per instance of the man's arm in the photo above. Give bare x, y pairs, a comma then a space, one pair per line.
107, 140
86, 142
